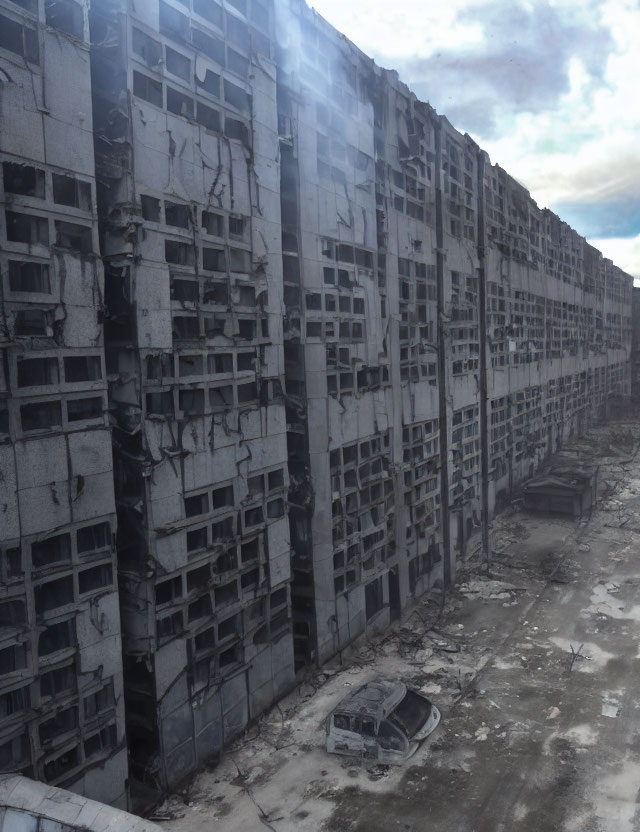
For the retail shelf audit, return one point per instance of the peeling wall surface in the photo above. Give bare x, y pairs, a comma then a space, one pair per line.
61, 688
332, 337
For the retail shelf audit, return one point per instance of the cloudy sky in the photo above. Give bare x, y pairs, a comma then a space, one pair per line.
547, 87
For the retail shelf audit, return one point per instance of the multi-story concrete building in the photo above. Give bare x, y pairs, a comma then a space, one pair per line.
337, 338
187, 159
442, 335
61, 692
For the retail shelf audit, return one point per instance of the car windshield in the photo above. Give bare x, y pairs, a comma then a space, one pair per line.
411, 713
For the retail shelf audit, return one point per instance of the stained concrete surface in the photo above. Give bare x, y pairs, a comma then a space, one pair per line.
535, 667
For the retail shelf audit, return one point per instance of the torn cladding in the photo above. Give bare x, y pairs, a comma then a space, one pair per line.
334, 337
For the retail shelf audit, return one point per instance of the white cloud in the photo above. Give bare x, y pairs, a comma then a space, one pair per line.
624, 252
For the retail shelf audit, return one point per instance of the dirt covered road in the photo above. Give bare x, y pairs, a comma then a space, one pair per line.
535, 666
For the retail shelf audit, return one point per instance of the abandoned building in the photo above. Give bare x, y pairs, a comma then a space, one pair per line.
61, 690
335, 338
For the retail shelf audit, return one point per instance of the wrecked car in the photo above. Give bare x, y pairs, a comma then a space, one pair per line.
382, 720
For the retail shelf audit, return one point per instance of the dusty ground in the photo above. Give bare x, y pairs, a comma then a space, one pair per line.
535, 667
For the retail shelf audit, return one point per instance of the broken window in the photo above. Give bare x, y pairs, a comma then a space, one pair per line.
185, 328
226, 594
27, 228
177, 64
14, 702
179, 253
52, 550
197, 539
104, 740
176, 214
29, 277
93, 538
191, 402
16, 752
229, 628
41, 415
190, 365
70, 191
66, 16
221, 363
208, 117
250, 551
65, 762
222, 529
213, 224
186, 291
168, 627
253, 516
246, 329
150, 208
222, 497
73, 236
63, 722
234, 129
147, 88
246, 361
53, 594
13, 658
205, 640
100, 701
172, 23
146, 47
210, 10
23, 179
82, 368
213, 259
36, 372
168, 591
198, 504
21, 40
95, 578
213, 47
12, 613
159, 366
57, 637
237, 63
160, 404
217, 293
199, 608
238, 33
198, 578
89, 408
247, 393
236, 226
237, 97
179, 104
221, 397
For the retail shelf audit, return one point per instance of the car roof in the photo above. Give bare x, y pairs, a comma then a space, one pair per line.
375, 699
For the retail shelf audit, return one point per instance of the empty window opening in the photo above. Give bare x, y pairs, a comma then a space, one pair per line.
222, 497
21, 40
179, 253
93, 538
23, 179
37, 372
168, 591
53, 594
14, 702
40, 416
29, 277
150, 208
146, 47
177, 215
80, 409
61, 765
66, 16
95, 578
82, 368
57, 637
179, 104
99, 702
52, 550
27, 228
72, 192
177, 64
210, 84
160, 404
12, 613
101, 742
60, 724
208, 117
147, 88
75, 237
221, 363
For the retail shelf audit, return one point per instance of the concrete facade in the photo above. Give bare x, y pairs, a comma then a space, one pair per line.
336, 336
61, 690
186, 153
442, 336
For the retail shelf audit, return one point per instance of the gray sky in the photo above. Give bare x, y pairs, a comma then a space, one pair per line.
547, 87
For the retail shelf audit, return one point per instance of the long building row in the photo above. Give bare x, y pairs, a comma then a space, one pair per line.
276, 342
